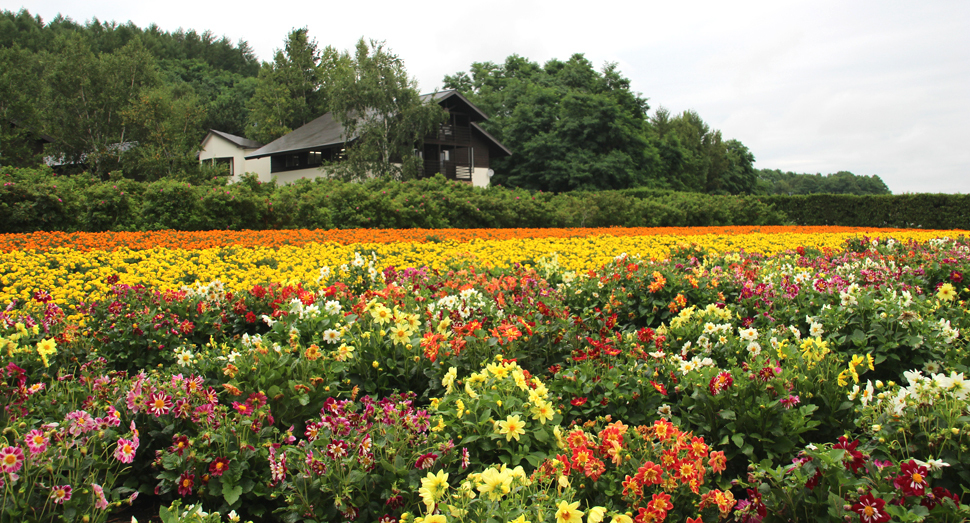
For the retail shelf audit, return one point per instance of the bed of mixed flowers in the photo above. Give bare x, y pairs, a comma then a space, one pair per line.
713, 385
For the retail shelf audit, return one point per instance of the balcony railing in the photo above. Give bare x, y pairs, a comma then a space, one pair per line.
450, 169
452, 134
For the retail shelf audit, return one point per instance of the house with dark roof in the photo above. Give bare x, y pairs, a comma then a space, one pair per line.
460, 149
229, 152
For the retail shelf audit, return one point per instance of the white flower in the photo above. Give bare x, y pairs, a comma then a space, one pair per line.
709, 328
331, 336
183, 357
749, 334
867, 393
933, 464
233, 517
664, 411
754, 349
816, 330
332, 307
232, 356
854, 393
268, 321
811, 447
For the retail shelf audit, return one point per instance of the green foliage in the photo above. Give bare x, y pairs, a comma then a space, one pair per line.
569, 126
293, 89
383, 115
921, 211
843, 182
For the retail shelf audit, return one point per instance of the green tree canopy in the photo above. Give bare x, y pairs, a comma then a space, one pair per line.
382, 113
570, 127
293, 89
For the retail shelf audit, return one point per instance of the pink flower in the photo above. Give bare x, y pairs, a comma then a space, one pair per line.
790, 401
125, 452
101, 503
80, 422
159, 404
11, 459
61, 493
36, 442
426, 461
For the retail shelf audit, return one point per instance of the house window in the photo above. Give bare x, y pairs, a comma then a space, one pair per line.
446, 155
292, 160
224, 165
314, 158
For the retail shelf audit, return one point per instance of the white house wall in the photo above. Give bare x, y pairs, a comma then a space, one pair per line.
218, 147
480, 177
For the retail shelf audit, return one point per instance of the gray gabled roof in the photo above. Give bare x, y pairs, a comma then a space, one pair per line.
245, 143
327, 131
321, 132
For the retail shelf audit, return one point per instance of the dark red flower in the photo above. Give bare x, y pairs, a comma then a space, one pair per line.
871, 509
912, 480
853, 458
218, 466
578, 402
186, 482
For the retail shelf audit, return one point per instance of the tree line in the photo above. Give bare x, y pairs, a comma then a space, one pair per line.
112, 97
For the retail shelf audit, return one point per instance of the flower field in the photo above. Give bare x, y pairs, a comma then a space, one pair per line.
527, 375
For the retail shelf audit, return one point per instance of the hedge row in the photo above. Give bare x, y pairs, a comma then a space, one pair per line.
905, 211
36, 199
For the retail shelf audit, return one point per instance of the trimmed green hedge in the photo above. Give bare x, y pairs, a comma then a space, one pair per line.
38, 200
923, 211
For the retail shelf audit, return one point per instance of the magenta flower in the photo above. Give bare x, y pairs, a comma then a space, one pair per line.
11, 459
61, 493
125, 452
790, 401
36, 442
159, 404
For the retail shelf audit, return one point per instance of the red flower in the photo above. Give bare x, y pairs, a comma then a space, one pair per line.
912, 481
578, 402
659, 387
870, 509
720, 382
186, 482
854, 459
219, 466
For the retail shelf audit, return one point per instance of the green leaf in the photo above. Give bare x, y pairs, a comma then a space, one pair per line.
738, 440
728, 414
541, 435
232, 494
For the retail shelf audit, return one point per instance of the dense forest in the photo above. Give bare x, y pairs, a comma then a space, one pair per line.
107, 97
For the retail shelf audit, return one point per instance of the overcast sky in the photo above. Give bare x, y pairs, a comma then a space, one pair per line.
871, 87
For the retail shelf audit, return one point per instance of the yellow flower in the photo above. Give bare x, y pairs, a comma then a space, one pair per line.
596, 514
495, 483
870, 361
568, 513
512, 427
448, 381
542, 411
621, 518
460, 405
437, 518
520, 519
946, 292
433, 487
46, 348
